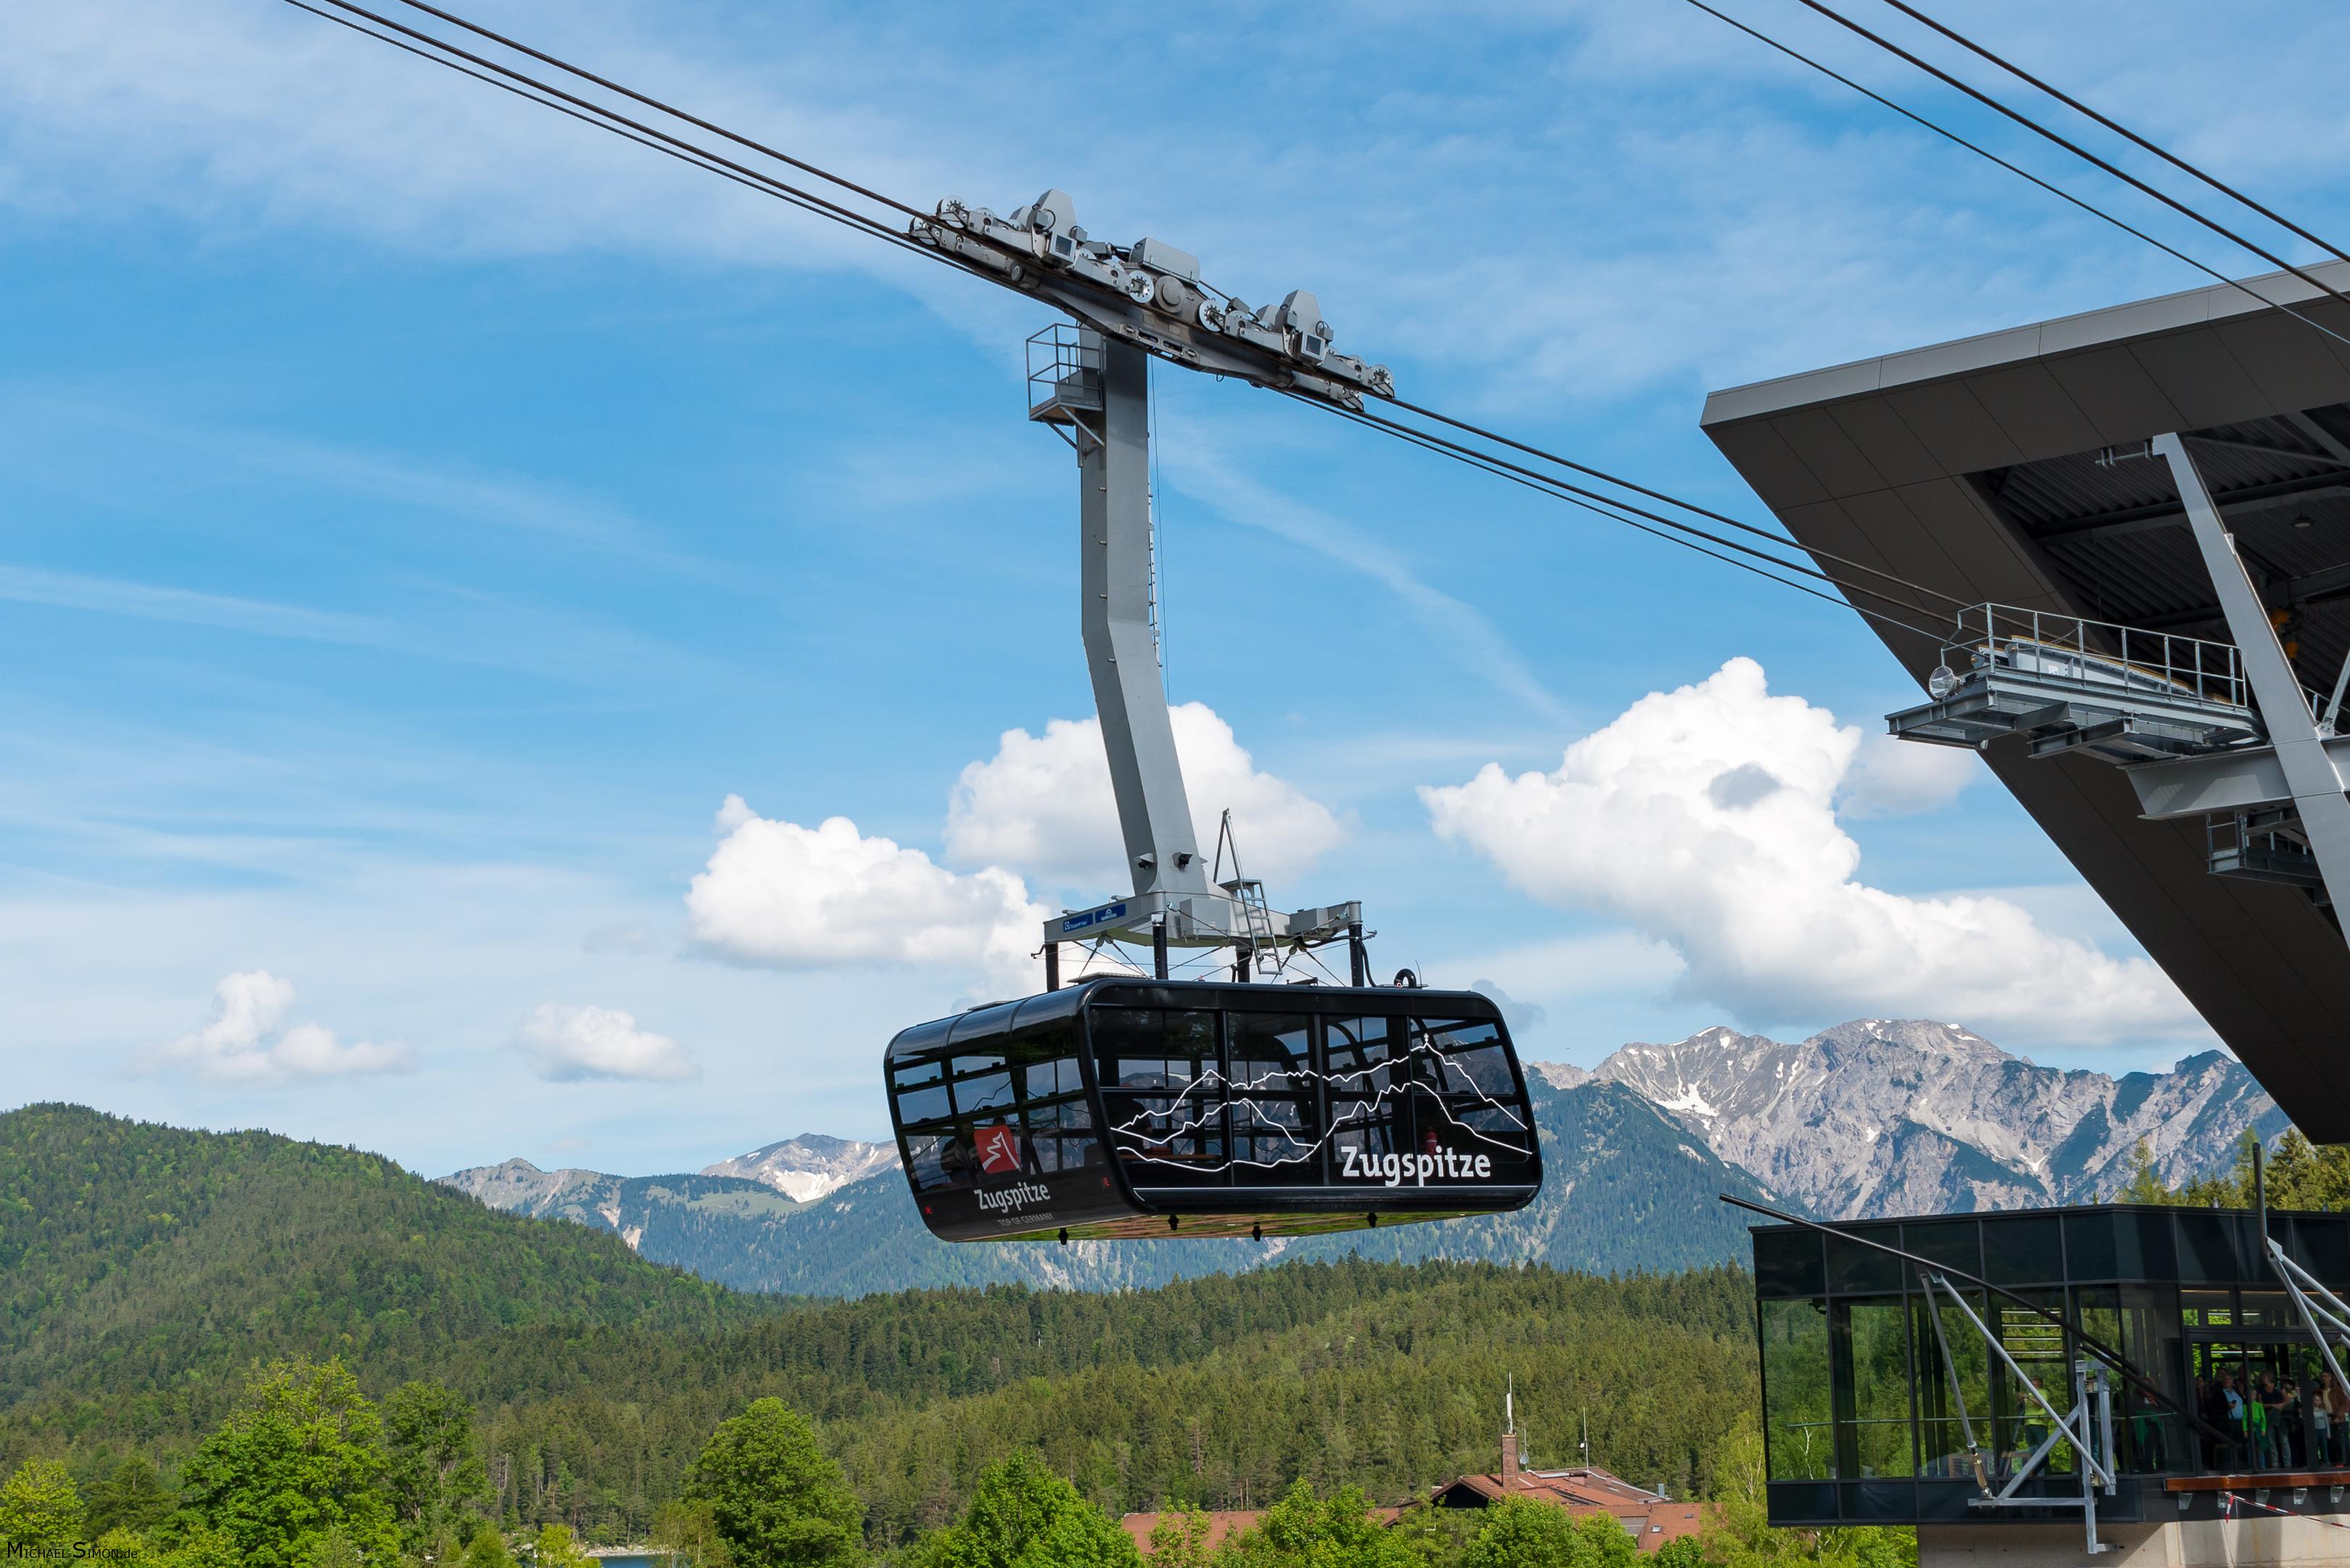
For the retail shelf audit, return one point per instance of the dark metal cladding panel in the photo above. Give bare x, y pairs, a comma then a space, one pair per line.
2010, 426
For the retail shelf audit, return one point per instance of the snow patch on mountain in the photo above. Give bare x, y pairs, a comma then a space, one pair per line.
809, 1167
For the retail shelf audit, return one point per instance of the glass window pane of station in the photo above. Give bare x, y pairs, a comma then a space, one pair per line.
1869, 1343
1953, 1378
2207, 1309
2141, 1324
2024, 1250
2322, 1246
2207, 1247
1788, 1263
1852, 1267
2143, 1248
2265, 1309
2090, 1252
2221, 1377
2038, 1347
1953, 1243
1798, 1439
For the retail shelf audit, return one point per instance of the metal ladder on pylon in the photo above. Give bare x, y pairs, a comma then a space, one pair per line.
1258, 931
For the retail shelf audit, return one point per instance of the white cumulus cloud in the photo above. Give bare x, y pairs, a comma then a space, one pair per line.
1042, 803
1706, 819
566, 1043
1889, 777
779, 894
248, 1041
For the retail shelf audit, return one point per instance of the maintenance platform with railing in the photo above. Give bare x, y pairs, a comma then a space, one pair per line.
2177, 714
2067, 684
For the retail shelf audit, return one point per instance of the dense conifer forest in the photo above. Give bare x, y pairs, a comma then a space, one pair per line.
147, 1274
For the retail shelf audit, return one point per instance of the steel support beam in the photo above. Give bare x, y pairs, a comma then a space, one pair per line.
2308, 773
2244, 779
2272, 497
1154, 814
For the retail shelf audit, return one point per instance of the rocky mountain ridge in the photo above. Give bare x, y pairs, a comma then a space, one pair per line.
1886, 1116
805, 1167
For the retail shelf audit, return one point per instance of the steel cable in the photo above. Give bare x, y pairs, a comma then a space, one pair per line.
2069, 102
2075, 148
1612, 508
2021, 173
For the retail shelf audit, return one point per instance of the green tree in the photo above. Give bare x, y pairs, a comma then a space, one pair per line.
200, 1546
690, 1531
303, 1457
557, 1549
1682, 1551
432, 1462
39, 1507
1180, 1539
2144, 1186
1519, 1532
1601, 1543
488, 1549
130, 1496
1022, 1515
777, 1500
332, 1549
1304, 1532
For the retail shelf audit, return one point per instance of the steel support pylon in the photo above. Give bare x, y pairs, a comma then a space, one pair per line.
2309, 772
1154, 814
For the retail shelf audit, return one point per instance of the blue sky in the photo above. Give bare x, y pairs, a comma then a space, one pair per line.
423, 513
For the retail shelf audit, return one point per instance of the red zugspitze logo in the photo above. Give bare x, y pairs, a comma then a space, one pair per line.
999, 1150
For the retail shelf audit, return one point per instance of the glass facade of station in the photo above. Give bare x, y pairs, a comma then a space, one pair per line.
1862, 1396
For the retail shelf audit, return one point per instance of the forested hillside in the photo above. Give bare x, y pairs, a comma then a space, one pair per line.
144, 1268
151, 1263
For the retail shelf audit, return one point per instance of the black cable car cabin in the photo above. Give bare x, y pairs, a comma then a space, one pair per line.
1132, 1108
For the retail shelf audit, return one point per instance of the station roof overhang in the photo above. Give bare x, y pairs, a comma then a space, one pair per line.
1986, 470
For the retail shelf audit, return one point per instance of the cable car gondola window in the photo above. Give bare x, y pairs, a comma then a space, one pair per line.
1365, 1100
1278, 1124
1163, 1077
1466, 1100
921, 1092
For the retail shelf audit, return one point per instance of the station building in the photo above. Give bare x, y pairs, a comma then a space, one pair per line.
2114, 551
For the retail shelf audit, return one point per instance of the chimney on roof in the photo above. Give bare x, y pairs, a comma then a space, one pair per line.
1509, 1461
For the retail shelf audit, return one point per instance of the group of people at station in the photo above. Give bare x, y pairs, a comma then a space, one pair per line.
2269, 1426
